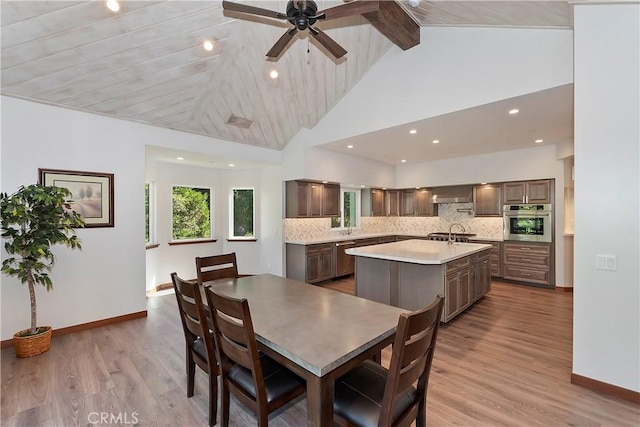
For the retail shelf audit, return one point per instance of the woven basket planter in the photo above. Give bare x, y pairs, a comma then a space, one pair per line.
32, 345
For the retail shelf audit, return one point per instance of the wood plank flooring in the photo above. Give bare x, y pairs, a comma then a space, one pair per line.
507, 361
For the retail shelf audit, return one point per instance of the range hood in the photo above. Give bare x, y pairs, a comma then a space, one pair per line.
453, 194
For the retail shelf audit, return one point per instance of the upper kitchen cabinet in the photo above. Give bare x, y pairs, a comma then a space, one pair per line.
393, 202
373, 202
417, 203
309, 199
487, 200
527, 191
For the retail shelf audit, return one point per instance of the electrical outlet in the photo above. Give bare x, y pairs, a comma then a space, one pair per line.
606, 262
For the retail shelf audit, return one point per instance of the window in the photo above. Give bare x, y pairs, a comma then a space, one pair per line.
242, 216
349, 209
191, 213
149, 211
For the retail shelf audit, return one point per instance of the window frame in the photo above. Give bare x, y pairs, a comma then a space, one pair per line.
232, 235
152, 214
211, 236
358, 214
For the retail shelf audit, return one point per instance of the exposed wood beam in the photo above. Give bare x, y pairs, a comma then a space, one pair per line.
392, 21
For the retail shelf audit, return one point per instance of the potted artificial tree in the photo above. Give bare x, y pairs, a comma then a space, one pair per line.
33, 219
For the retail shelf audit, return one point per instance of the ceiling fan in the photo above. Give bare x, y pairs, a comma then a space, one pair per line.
303, 14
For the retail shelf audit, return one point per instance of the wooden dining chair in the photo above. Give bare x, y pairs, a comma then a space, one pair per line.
216, 267
370, 395
256, 380
200, 349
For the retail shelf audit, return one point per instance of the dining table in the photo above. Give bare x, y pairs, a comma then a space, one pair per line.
319, 334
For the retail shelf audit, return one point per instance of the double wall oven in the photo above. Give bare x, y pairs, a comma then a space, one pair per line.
528, 222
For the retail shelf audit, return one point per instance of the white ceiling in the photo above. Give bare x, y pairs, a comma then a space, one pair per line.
146, 64
546, 115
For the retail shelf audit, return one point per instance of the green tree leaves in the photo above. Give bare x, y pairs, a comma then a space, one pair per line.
191, 213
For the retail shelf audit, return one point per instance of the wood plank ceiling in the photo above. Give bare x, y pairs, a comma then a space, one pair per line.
146, 63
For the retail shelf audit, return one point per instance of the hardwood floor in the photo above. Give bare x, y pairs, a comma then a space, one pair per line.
507, 361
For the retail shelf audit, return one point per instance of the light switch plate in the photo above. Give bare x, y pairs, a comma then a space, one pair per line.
606, 262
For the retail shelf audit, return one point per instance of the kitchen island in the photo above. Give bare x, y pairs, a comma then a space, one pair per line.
410, 273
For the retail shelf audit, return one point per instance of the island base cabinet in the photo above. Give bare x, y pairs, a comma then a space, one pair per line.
414, 286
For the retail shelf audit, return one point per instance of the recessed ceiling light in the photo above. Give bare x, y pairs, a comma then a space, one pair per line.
483, 183
362, 186
349, 146
113, 5
436, 141
231, 165
180, 158
384, 188
208, 45
538, 141
325, 182
273, 74
514, 111
413, 131
403, 161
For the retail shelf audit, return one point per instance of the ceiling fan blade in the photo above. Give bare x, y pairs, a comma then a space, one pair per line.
245, 8
356, 7
334, 48
282, 42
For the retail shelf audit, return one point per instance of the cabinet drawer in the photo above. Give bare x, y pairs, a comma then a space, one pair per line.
527, 248
312, 249
457, 264
528, 275
526, 258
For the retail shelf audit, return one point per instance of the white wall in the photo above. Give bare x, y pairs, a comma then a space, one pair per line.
108, 277
450, 70
606, 335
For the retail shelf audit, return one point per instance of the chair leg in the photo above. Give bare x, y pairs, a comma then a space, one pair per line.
213, 399
224, 404
263, 418
191, 374
421, 418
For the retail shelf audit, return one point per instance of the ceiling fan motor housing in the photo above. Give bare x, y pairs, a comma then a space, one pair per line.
302, 19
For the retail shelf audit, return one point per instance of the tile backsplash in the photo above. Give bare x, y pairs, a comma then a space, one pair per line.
317, 228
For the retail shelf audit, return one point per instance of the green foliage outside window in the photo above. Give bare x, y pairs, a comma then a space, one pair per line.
191, 213
243, 213
146, 213
349, 212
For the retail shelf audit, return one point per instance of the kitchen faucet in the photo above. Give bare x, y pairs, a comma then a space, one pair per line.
450, 241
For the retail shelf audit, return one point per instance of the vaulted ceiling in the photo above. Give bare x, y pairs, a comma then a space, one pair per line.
146, 63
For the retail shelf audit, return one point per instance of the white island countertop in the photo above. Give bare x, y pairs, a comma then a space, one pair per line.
419, 251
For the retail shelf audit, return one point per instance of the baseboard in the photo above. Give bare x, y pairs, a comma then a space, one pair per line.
84, 326
605, 388
164, 286
564, 288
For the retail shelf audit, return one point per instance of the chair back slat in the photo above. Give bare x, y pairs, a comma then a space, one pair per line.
235, 338
216, 267
411, 360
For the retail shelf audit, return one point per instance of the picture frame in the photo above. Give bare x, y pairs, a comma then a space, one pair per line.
92, 193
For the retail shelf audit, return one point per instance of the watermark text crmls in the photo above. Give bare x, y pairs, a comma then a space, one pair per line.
113, 418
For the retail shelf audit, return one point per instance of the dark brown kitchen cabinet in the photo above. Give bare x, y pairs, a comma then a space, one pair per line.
310, 263
373, 202
330, 200
308, 199
457, 282
528, 262
495, 260
487, 200
417, 202
539, 191
393, 202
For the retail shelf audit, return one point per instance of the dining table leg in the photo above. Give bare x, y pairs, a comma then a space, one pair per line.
320, 401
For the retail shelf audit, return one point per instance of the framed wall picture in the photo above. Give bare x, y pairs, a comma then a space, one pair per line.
92, 193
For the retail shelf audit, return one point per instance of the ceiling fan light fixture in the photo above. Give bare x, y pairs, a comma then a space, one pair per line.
113, 5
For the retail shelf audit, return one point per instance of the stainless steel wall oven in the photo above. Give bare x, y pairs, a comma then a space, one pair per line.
528, 222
